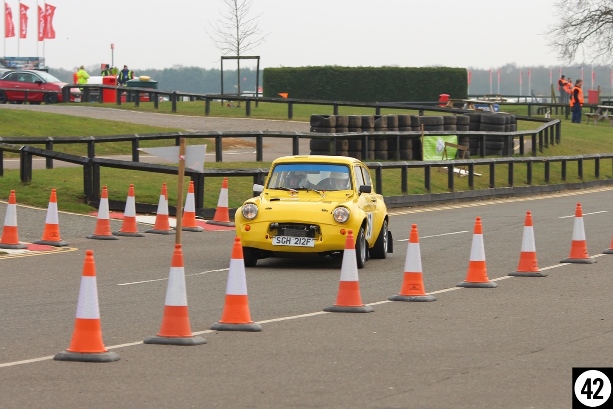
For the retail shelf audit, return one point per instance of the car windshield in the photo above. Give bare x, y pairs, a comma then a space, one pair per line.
47, 77
314, 176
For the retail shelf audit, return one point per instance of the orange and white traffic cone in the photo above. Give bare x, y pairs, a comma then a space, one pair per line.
51, 233
222, 215
236, 315
578, 248
188, 223
412, 288
348, 298
162, 224
129, 227
86, 344
103, 224
476, 276
10, 234
528, 266
175, 328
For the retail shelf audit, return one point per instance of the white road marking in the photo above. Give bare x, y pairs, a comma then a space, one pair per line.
280, 319
583, 214
438, 235
164, 279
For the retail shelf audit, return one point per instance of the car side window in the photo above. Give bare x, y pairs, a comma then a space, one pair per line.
367, 180
359, 178
29, 78
12, 77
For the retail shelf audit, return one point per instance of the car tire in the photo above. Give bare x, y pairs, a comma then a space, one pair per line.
379, 250
360, 248
50, 98
249, 257
3, 99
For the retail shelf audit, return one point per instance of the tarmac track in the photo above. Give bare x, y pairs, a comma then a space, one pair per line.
509, 347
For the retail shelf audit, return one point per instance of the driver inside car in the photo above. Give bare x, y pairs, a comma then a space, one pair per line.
296, 180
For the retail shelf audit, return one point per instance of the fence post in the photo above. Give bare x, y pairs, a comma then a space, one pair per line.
118, 97
156, 99
218, 148
248, 108
1, 162
25, 166
91, 147
66, 93
259, 148
136, 97
135, 151
49, 147
173, 100
295, 145
88, 189
95, 181
335, 109
207, 106
290, 110
198, 179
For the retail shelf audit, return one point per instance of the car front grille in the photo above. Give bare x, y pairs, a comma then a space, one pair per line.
294, 229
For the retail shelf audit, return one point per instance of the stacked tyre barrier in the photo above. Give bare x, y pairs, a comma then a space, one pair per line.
406, 147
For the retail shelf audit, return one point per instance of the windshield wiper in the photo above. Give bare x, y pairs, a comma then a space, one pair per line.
289, 189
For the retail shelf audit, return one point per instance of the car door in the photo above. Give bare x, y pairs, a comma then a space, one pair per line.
365, 201
34, 85
13, 87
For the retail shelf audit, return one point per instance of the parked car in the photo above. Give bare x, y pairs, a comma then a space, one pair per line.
307, 206
41, 87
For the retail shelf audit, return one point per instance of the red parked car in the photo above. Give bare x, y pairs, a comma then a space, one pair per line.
41, 87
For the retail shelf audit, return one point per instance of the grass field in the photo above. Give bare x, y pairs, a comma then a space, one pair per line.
576, 139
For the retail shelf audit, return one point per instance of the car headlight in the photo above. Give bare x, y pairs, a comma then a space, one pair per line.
250, 211
341, 214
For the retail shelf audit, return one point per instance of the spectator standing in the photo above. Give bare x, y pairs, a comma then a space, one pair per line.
562, 88
75, 76
106, 71
124, 76
576, 102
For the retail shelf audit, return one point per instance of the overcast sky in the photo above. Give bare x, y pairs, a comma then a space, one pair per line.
406, 33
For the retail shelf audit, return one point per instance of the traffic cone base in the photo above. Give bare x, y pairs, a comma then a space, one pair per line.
155, 231
412, 298
89, 357
59, 243
528, 274
127, 234
468, 284
340, 308
195, 229
578, 260
98, 237
608, 251
220, 326
184, 341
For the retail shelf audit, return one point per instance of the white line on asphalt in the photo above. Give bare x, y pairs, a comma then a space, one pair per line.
438, 235
280, 319
164, 279
584, 214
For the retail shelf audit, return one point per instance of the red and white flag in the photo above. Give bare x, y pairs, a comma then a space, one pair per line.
49, 12
23, 20
41, 24
9, 28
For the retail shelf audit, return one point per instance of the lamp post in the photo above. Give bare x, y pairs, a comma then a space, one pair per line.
112, 55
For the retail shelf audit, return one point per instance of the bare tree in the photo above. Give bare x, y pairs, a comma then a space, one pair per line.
236, 32
585, 27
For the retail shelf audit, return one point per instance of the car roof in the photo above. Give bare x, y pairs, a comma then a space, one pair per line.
341, 160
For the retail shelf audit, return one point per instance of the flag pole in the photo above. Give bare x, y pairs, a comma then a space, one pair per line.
179, 212
4, 34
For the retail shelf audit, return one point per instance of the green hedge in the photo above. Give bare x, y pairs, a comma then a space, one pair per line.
366, 84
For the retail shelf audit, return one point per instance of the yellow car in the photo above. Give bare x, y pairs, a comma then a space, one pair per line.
307, 205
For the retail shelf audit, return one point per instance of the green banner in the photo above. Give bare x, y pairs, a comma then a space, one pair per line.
434, 146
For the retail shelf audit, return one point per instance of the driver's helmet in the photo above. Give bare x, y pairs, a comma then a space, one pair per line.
296, 179
339, 180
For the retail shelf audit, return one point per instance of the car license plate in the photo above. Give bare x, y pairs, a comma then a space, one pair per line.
293, 241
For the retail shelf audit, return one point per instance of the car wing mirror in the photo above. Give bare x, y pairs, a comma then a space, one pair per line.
257, 189
365, 189
39, 82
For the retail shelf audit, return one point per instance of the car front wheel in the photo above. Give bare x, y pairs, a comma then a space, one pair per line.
360, 248
3, 99
249, 257
380, 248
50, 98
